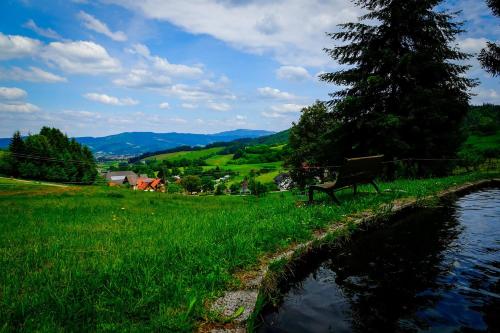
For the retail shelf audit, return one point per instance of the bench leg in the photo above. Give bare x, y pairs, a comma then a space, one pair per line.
355, 189
375, 185
334, 198
311, 194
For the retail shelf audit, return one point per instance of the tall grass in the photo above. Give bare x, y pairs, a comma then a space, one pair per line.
104, 259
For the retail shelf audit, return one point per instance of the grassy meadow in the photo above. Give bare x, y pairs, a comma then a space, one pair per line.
213, 159
108, 259
189, 155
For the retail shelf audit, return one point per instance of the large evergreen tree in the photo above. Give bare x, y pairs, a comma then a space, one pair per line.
50, 155
490, 56
405, 95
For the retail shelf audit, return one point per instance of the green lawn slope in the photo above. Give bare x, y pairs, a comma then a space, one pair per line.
104, 259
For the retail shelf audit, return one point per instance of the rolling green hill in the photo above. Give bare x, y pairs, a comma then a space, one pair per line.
261, 160
277, 138
189, 155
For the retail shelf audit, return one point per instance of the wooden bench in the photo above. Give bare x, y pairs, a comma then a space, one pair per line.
354, 172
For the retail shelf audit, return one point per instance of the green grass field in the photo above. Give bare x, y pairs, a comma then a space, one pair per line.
106, 259
189, 155
245, 169
223, 161
484, 143
219, 160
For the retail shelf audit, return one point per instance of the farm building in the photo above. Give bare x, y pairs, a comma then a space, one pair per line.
114, 178
130, 178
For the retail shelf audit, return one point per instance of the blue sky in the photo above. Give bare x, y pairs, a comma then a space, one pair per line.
93, 68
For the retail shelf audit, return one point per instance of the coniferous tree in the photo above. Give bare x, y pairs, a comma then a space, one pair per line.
50, 155
17, 150
405, 94
490, 56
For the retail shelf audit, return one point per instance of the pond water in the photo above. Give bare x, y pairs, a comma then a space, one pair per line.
435, 270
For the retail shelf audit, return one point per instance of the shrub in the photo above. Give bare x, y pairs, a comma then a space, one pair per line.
234, 188
256, 187
191, 183
207, 183
221, 187
174, 188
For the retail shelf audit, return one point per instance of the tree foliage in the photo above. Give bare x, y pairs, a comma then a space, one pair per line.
51, 155
312, 141
403, 84
191, 183
490, 55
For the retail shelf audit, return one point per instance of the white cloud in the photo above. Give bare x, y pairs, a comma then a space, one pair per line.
19, 108
80, 57
486, 95
283, 110
12, 101
275, 93
240, 117
111, 100
293, 73
164, 105
294, 36
12, 47
178, 120
154, 71
287, 108
157, 73
12, 93
82, 114
33, 74
164, 66
192, 93
189, 106
219, 106
142, 78
49, 33
272, 114
472, 45
91, 23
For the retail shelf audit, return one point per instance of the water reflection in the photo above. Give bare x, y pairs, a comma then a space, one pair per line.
437, 270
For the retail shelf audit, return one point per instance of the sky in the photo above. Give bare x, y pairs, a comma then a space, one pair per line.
101, 67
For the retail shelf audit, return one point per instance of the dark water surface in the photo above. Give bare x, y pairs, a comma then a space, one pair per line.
436, 270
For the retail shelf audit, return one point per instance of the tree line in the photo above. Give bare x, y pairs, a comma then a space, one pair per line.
49, 155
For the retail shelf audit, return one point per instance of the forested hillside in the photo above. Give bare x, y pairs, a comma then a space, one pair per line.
49, 155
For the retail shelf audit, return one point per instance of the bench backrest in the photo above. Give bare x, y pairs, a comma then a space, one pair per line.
359, 170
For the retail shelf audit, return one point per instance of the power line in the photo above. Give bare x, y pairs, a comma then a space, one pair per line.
48, 158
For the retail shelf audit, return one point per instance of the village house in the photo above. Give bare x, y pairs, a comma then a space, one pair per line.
118, 178
130, 178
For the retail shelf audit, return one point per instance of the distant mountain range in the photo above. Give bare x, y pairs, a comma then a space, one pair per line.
136, 143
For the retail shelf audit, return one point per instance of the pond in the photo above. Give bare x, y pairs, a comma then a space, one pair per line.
434, 270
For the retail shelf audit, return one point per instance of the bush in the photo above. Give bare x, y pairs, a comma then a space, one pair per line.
191, 183
256, 187
271, 187
174, 188
471, 158
220, 189
235, 188
207, 183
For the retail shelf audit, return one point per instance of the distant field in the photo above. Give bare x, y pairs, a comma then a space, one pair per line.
219, 160
212, 160
189, 155
484, 143
245, 169
94, 259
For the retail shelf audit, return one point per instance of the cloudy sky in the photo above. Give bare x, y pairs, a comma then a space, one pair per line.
99, 67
